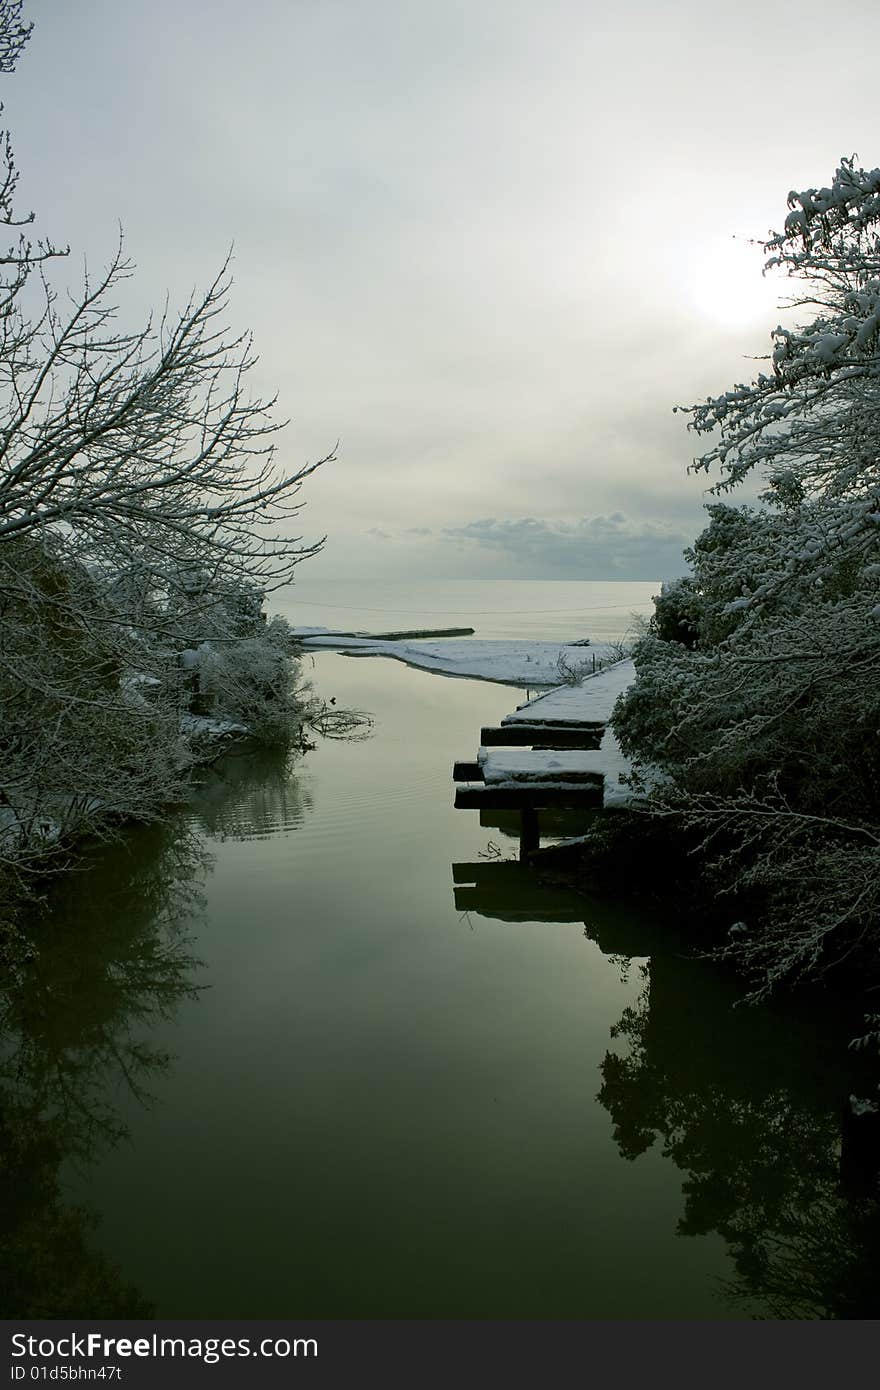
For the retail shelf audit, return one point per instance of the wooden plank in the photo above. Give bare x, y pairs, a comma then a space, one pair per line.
476, 772
568, 767
542, 736
534, 795
467, 772
592, 700
535, 720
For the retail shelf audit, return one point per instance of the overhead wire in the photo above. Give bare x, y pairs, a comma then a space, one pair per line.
459, 612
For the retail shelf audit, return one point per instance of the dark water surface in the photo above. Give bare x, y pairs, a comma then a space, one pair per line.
343, 1095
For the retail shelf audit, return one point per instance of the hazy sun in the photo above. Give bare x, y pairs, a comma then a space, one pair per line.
725, 284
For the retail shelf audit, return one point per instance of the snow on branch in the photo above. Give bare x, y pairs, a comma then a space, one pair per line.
824, 373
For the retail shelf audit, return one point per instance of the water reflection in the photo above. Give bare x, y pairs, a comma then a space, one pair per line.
506, 891
750, 1104
251, 795
109, 957
105, 960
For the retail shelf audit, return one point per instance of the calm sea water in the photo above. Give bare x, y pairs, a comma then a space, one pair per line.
552, 609
320, 1047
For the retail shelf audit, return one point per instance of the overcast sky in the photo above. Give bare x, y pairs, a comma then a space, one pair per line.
487, 244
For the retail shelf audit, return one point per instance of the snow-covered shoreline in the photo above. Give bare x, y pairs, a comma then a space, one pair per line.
527, 663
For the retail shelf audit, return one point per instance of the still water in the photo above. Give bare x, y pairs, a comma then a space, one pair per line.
272, 1062
550, 609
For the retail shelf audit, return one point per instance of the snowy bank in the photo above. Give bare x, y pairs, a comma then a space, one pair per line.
509, 662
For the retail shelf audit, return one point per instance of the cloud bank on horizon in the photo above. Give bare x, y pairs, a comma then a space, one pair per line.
598, 547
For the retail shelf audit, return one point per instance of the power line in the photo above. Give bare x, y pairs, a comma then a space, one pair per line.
463, 612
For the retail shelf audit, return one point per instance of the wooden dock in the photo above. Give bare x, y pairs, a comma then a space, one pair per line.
557, 753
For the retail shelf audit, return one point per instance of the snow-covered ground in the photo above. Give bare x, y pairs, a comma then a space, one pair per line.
510, 662
568, 767
199, 726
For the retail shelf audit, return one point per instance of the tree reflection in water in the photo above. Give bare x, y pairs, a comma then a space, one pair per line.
250, 794
110, 958
748, 1104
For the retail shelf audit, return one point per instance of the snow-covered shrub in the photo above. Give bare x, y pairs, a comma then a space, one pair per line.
253, 682
677, 612
80, 748
573, 672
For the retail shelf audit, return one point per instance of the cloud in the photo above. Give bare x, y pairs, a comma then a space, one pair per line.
474, 255
613, 546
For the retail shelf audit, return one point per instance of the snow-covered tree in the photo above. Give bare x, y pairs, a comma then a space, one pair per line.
143, 514
758, 689
143, 449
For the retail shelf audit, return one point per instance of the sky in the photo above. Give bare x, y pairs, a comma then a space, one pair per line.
485, 245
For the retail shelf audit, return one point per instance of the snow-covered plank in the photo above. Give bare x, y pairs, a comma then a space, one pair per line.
590, 702
605, 764
533, 765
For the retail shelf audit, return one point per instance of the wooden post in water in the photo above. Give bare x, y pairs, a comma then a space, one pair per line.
529, 834
860, 1150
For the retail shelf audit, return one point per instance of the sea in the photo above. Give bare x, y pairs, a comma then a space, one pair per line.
544, 609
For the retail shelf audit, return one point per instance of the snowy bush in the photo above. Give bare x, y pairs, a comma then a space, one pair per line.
81, 747
251, 681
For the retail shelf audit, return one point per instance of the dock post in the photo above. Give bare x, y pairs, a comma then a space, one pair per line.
860, 1151
529, 834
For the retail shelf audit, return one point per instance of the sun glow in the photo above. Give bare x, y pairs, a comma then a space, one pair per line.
725, 284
